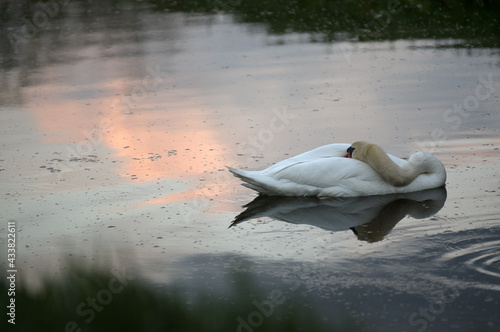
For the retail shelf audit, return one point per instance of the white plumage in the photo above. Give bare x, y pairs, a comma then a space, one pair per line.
327, 172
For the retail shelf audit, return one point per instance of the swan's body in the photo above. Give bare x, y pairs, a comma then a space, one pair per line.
328, 172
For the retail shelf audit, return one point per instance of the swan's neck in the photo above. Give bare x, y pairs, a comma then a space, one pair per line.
398, 176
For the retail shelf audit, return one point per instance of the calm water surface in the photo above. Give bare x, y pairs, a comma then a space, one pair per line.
116, 130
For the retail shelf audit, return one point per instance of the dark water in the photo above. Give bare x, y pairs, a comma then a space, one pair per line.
118, 119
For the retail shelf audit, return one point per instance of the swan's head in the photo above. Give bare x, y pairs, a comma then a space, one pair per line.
398, 175
357, 150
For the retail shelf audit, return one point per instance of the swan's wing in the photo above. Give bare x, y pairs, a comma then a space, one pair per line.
328, 172
326, 151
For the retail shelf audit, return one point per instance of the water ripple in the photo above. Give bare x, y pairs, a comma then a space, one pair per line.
479, 255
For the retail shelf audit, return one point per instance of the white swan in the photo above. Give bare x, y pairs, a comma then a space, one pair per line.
344, 170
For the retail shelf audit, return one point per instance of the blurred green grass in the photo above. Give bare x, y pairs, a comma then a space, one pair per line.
80, 301
475, 22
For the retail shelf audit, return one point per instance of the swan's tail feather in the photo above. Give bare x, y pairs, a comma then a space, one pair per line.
250, 181
269, 186
239, 173
236, 172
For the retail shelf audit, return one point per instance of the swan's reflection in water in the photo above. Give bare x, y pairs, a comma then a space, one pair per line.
370, 218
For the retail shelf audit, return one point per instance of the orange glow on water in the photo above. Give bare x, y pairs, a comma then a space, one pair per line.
154, 141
